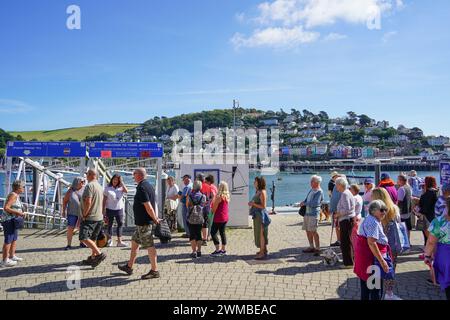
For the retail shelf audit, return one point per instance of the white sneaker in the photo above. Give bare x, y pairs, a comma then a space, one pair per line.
16, 259
122, 245
391, 297
110, 243
8, 263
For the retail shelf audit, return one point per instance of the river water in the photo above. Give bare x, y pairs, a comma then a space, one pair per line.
289, 187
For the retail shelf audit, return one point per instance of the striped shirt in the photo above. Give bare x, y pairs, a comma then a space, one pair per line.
372, 228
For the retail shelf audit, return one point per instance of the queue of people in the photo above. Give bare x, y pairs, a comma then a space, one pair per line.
366, 226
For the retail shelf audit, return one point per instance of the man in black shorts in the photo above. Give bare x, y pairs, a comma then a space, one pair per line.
146, 220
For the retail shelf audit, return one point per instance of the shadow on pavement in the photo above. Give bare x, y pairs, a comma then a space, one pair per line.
48, 268
113, 280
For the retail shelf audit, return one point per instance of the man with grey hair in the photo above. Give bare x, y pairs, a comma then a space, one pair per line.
92, 218
145, 219
345, 215
313, 204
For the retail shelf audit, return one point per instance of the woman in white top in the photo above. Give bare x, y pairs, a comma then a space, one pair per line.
171, 204
113, 208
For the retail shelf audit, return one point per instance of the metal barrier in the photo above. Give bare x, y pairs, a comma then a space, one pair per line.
40, 217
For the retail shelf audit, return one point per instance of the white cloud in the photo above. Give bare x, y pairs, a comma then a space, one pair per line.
14, 106
275, 38
315, 13
388, 35
292, 22
335, 37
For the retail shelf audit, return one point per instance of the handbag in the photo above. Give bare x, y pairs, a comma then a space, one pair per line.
404, 240
162, 231
302, 211
390, 275
394, 236
19, 223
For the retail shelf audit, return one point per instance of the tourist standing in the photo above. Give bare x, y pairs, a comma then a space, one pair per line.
210, 181
260, 217
416, 184
195, 203
334, 200
389, 184
12, 213
220, 208
182, 195
405, 202
72, 208
437, 251
332, 183
145, 219
171, 204
359, 204
313, 204
369, 185
345, 215
372, 243
92, 218
113, 206
440, 207
206, 191
427, 203
389, 222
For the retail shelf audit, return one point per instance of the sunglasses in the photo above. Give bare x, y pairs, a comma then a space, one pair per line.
383, 210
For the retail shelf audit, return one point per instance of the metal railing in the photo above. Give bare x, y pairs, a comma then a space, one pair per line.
40, 217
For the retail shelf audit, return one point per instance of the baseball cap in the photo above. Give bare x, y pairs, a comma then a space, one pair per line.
334, 174
385, 176
369, 181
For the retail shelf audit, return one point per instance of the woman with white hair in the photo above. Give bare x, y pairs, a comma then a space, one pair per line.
372, 246
345, 215
11, 219
313, 204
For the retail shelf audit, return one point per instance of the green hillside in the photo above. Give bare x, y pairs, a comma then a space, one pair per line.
74, 133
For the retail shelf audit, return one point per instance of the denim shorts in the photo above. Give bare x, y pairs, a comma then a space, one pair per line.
10, 231
72, 221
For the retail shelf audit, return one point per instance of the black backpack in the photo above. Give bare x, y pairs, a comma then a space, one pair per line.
196, 215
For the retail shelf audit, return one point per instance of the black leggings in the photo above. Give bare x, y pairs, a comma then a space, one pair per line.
219, 227
118, 215
447, 293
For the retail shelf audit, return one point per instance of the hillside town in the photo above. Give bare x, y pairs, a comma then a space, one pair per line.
307, 136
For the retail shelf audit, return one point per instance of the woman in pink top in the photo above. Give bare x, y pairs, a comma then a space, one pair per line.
220, 209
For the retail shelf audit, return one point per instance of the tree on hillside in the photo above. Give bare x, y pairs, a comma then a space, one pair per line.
297, 114
324, 116
364, 120
307, 115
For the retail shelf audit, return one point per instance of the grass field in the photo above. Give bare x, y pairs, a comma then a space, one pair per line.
75, 133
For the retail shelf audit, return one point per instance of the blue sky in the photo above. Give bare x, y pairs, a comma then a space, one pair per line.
133, 60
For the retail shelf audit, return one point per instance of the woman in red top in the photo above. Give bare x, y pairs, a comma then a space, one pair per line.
220, 209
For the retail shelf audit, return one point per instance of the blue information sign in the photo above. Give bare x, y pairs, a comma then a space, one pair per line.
125, 150
445, 172
46, 149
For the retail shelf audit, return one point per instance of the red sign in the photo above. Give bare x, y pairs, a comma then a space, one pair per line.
106, 154
145, 154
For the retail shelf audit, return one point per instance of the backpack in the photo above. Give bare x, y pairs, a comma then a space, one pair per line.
196, 212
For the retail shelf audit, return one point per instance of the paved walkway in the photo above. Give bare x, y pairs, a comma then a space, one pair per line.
289, 274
